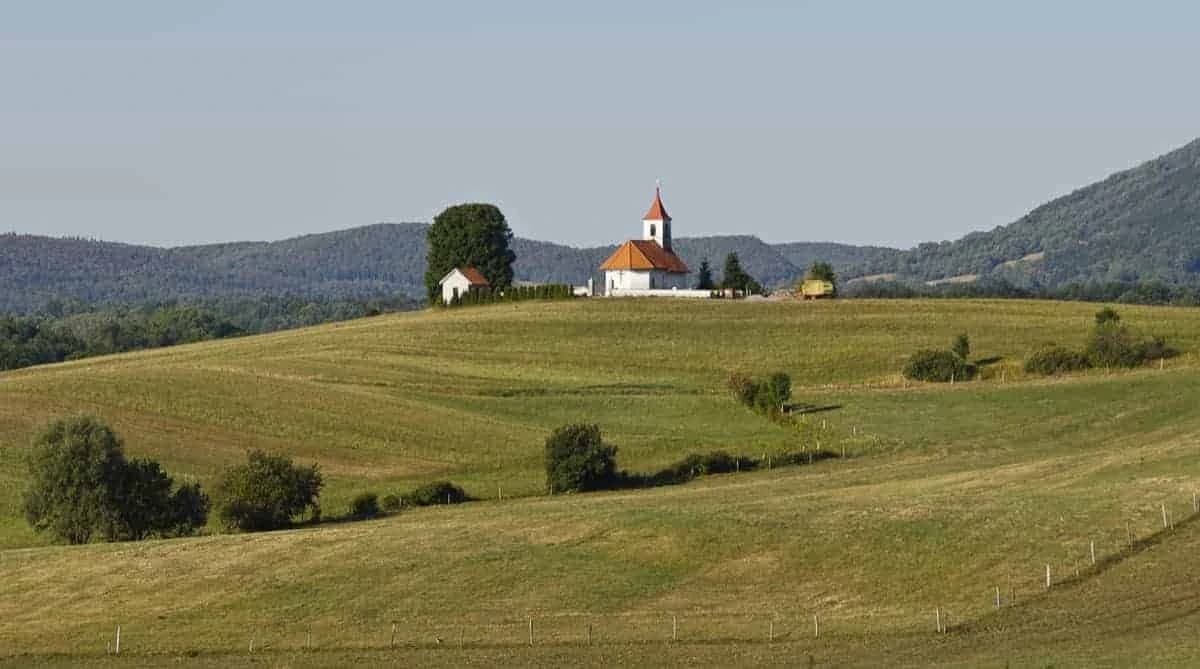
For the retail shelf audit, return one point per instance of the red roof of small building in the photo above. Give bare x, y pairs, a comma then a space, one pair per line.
644, 254
657, 211
474, 276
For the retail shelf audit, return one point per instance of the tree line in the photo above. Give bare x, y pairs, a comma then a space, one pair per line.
73, 330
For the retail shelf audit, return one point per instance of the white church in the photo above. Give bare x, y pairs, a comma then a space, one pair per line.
648, 266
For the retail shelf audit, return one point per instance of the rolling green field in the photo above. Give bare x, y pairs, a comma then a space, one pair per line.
947, 493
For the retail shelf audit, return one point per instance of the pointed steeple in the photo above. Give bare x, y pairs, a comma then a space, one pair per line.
657, 211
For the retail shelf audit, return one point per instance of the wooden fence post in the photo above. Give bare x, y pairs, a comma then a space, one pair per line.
937, 619
674, 628
531, 631
118, 644
1164, 514
816, 627
997, 596
1093, 553
1047, 577
393, 642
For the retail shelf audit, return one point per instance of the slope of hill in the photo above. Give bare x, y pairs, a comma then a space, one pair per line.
1142, 224
947, 493
849, 261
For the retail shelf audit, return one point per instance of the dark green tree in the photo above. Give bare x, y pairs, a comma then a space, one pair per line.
734, 276
705, 280
474, 235
75, 468
148, 507
1106, 316
577, 459
82, 487
267, 493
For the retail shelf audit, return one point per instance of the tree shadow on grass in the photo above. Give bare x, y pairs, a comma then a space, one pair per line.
801, 409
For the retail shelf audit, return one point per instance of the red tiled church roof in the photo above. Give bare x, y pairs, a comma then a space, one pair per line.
657, 211
644, 254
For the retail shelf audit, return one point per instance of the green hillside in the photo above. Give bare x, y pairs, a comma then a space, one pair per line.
1137, 225
946, 493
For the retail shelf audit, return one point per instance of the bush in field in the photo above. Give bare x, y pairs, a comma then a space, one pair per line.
577, 459
775, 392
439, 492
767, 396
267, 493
82, 487
365, 505
962, 346
938, 366
390, 503
1056, 360
1107, 316
703, 464
1115, 345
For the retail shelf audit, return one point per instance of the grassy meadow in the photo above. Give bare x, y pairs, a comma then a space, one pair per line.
949, 492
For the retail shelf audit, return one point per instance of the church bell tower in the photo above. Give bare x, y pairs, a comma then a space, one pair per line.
656, 224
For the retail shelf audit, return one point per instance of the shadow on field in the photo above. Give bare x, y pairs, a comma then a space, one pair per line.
802, 409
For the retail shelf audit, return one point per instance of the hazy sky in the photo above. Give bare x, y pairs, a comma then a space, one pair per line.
870, 122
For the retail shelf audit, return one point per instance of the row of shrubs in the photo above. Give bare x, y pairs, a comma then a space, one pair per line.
578, 460
370, 505
487, 295
696, 465
1111, 344
83, 488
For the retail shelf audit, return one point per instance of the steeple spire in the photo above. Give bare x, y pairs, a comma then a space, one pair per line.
656, 224
657, 211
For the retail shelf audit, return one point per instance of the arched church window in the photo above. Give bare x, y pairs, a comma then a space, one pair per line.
653, 230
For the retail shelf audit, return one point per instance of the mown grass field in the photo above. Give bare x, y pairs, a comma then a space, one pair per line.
950, 492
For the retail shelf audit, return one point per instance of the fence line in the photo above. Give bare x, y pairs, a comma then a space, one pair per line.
575, 628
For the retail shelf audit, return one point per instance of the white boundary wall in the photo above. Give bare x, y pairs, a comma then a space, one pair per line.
666, 292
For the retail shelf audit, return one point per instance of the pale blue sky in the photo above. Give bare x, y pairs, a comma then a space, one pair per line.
868, 122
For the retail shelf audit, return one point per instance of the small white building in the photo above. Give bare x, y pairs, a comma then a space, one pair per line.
460, 281
648, 266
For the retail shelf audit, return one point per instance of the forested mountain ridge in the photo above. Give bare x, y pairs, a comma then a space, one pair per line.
360, 263
1138, 225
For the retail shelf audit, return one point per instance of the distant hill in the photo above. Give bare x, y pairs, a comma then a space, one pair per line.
366, 262
1138, 225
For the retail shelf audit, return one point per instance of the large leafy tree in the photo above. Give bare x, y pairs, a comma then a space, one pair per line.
82, 487
267, 492
473, 235
577, 459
